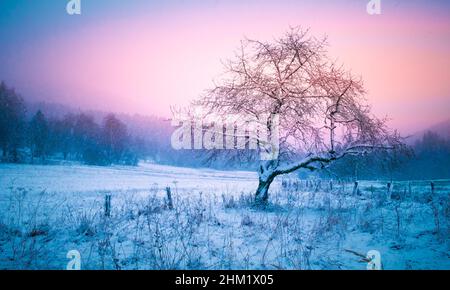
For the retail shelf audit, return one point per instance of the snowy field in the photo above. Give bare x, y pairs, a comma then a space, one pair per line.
47, 211
80, 178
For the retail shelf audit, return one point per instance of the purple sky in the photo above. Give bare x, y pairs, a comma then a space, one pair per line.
143, 56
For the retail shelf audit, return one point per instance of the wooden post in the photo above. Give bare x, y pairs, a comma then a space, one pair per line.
108, 205
355, 188
169, 198
432, 187
331, 185
389, 185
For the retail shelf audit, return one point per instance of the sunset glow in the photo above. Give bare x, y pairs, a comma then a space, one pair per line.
144, 57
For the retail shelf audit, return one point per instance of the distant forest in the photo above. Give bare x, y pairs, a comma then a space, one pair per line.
427, 158
54, 134
48, 134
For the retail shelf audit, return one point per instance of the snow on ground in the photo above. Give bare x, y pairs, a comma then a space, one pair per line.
48, 210
80, 178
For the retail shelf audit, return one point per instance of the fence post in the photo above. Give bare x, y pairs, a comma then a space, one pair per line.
169, 198
355, 188
432, 187
108, 205
389, 190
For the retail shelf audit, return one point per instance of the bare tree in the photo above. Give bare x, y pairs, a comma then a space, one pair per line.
323, 115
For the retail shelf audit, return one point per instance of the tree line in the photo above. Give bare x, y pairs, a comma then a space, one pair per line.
426, 158
73, 137
33, 137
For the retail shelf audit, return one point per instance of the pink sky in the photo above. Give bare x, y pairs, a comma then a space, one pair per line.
143, 63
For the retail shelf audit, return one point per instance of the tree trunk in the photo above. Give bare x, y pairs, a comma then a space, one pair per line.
262, 193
